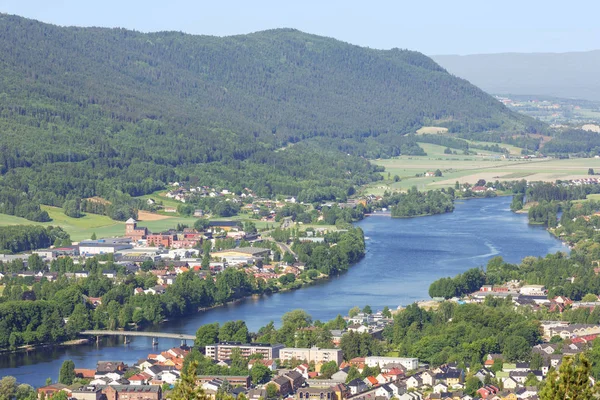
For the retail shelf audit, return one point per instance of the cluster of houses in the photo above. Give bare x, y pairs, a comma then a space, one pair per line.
182, 192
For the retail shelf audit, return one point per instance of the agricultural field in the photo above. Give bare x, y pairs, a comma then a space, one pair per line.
431, 130
103, 226
469, 169
78, 228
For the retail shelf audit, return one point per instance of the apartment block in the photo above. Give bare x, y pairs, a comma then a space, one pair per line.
315, 354
222, 351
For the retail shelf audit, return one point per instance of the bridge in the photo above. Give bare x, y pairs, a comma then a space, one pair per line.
127, 334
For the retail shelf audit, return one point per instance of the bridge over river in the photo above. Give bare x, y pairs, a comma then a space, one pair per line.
127, 334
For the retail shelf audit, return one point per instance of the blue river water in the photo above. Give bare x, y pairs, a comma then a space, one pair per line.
403, 257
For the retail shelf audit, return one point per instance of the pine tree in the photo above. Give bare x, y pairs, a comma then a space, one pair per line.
571, 382
186, 388
66, 376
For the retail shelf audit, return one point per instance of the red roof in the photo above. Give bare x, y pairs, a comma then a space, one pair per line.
137, 377
372, 380
85, 373
395, 371
584, 339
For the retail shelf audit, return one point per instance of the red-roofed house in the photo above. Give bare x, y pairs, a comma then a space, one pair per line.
302, 369
487, 391
85, 373
371, 381
138, 379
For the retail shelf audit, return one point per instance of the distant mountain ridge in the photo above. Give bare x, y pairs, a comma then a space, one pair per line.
87, 111
566, 75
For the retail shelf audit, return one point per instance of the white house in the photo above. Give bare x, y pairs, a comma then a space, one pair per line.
440, 388
169, 376
411, 396
384, 391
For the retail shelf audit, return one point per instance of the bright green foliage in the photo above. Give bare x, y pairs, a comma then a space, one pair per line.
207, 334
19, 238
353, 373
271, 391
386, 312
328, 369
186, 388
571, 382
234, 331
460, 333
516, 348
61, 395
467, 282
414, 203
355, 344
66, 375
353, 311
260, 373
472, 384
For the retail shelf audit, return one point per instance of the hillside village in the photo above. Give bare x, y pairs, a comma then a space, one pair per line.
305, 373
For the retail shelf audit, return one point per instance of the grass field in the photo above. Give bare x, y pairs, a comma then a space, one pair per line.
431, 130
470, 169
78, 228
513, 150
102, 226
595, 197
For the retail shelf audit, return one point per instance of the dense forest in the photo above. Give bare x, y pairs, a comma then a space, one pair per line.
576, 141
19, 238
414, 203
114, 113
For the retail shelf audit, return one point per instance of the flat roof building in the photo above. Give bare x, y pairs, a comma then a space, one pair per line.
315, 354
408, 363
222, 351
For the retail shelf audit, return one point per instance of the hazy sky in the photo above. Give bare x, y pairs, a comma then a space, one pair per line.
429, 26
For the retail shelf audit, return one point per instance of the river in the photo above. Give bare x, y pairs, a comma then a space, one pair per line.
403, 257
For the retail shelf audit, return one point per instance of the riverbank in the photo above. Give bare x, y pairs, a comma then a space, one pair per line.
32, 347
403, 257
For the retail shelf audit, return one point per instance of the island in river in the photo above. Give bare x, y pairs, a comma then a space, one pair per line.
403, 257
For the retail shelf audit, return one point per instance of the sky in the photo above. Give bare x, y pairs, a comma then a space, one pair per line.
430, 26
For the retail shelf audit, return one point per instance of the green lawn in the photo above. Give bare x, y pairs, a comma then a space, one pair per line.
78, 228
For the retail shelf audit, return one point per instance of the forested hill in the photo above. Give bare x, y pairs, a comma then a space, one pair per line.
87, 111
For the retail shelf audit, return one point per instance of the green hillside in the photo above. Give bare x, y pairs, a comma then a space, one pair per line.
115, 113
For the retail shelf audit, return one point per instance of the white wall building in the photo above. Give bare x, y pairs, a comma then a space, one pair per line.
408, 363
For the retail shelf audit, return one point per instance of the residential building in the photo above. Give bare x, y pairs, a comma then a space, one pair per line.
284, 387
133, 392
89, 392
222, 351
234, 380
408, 363
313, 354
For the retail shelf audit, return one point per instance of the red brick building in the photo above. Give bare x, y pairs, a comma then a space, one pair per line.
133, 231
133, 392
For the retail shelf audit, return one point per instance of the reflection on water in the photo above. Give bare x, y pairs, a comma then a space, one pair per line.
403, 257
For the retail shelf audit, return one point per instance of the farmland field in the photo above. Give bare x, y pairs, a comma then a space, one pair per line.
469, 169
103, 226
